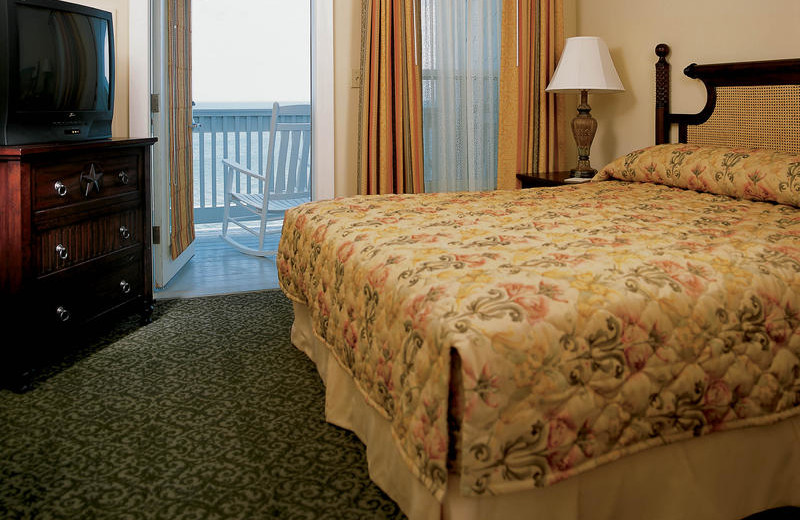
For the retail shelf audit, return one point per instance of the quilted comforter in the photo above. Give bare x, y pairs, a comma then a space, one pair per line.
585, 322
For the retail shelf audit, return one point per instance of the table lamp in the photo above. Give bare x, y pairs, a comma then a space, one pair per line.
585, 65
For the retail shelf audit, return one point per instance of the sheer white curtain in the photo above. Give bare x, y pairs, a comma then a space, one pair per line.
460, 71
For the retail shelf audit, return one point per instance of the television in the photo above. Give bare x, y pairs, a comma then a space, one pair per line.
56, 72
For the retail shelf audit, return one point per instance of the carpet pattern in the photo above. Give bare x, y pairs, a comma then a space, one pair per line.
208, 412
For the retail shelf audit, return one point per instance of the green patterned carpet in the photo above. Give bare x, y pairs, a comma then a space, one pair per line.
208, 412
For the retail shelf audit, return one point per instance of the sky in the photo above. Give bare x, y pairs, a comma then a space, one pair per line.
251, 51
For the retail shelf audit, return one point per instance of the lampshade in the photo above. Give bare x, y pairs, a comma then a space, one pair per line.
585, 64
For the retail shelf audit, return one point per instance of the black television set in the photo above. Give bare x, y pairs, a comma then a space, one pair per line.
56, 72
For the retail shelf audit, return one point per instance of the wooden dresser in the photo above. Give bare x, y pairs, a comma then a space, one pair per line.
75, 242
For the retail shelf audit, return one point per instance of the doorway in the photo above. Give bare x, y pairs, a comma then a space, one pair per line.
246, 54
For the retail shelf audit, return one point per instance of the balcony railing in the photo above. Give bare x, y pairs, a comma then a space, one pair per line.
241, 134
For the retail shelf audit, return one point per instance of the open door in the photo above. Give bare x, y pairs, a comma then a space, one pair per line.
165, 264
173, 227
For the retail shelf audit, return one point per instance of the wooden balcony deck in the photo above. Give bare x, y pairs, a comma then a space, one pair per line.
218, 268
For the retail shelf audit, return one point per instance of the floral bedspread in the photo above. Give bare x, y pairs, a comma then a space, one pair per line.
590, 321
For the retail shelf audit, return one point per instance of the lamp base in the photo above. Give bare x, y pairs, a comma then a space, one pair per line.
583, 174
583, 129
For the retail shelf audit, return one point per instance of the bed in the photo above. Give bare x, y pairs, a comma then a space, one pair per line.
625, 348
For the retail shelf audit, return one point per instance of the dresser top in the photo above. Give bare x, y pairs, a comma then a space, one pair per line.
19, 150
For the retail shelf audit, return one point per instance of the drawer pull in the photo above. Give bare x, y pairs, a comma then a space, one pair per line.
123, 177
125, 286
62, 252
63, 314
124, 232
61, 188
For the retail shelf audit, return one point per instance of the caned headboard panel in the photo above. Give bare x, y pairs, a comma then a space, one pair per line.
748, 104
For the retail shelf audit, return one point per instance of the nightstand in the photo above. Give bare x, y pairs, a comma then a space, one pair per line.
541, 179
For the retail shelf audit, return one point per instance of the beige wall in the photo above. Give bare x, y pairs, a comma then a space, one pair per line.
716, 31
702, 31
346, 49
120, 15
132, 79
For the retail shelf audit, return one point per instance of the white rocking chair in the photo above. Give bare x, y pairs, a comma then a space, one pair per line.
285, 184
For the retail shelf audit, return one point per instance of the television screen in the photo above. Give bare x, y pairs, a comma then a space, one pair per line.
64, 61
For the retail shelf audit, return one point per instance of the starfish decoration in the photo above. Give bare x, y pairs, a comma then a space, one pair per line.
92, 179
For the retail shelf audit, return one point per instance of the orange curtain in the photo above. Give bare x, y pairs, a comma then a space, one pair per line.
179, 85
532, 122
390, 109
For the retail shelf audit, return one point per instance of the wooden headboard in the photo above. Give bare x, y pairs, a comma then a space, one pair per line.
753, 104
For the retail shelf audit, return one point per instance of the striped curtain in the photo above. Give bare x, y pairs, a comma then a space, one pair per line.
179, 86
390, 106
532, 127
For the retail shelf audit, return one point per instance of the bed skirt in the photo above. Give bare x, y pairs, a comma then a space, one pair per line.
724, 476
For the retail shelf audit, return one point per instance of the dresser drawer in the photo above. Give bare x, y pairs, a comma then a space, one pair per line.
84, 292
84, 177
62, 247
56, 296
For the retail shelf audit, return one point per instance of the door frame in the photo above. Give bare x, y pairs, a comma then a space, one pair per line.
322, 124
322, 101
164, 266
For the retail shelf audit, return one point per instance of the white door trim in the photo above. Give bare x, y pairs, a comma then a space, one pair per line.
322, 100
139, 69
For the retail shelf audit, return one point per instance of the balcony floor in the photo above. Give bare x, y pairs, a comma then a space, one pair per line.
218, 268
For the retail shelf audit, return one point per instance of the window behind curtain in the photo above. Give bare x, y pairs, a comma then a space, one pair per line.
460, 73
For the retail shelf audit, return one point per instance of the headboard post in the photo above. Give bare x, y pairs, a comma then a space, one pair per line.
662, 94
733, 79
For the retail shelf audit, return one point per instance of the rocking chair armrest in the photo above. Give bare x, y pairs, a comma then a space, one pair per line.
233, 165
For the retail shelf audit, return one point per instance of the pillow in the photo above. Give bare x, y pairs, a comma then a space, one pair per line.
746, 173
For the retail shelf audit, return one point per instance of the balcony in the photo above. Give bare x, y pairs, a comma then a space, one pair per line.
241, 134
